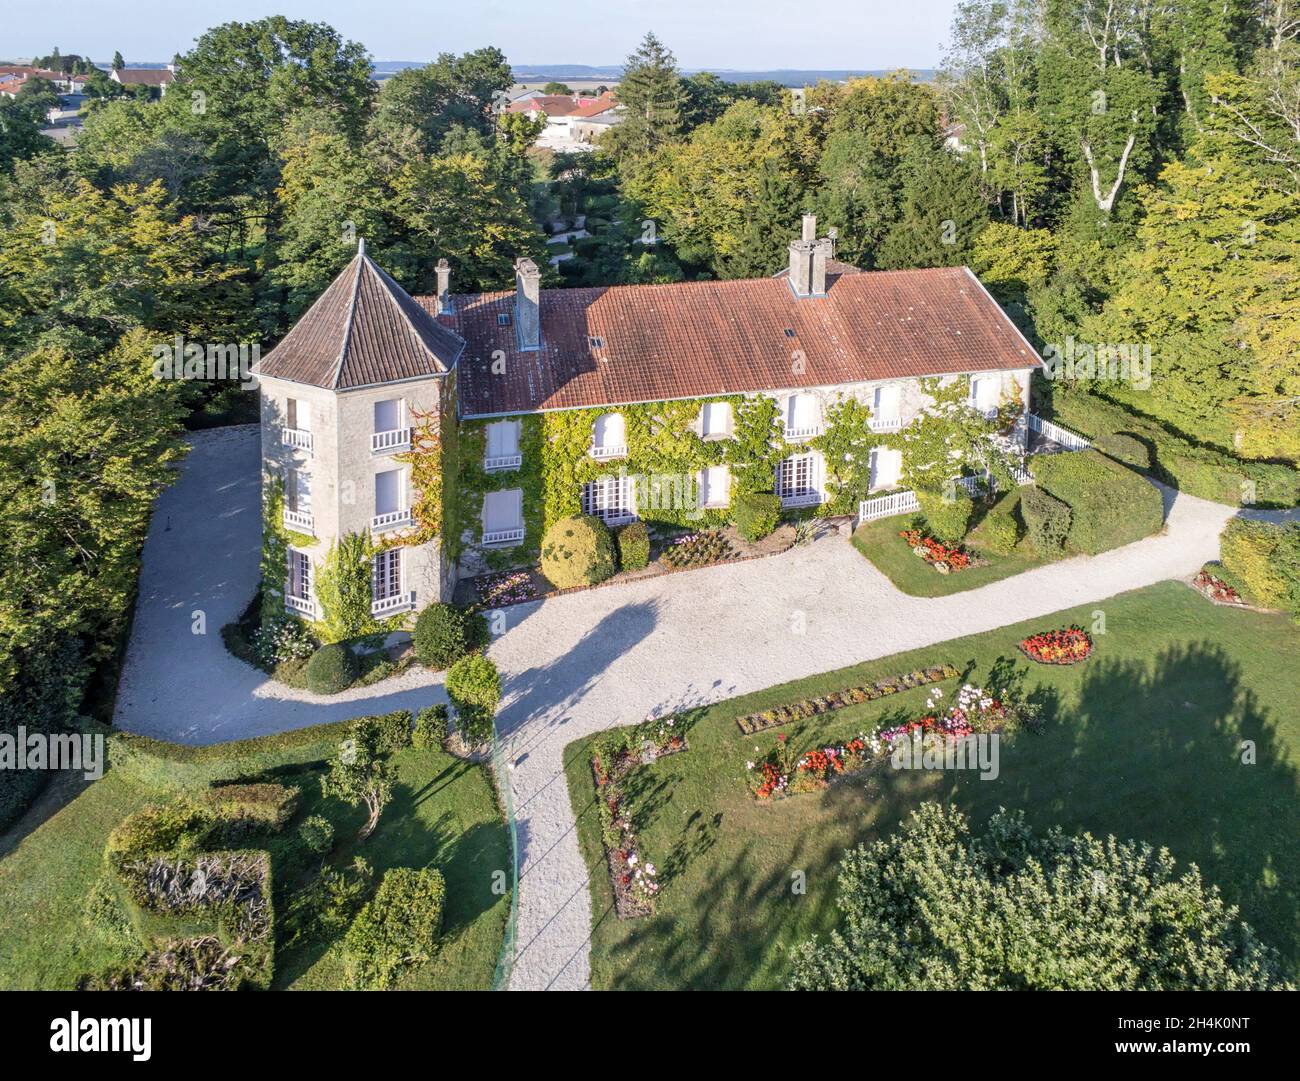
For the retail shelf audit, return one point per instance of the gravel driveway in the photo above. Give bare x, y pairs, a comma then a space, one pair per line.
580, 663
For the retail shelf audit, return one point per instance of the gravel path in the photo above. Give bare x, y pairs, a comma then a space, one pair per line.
576, 664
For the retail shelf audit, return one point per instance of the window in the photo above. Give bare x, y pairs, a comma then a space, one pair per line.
595, 341
297, 491
297, 415
503, 319
715, 486
802, 416
798, 480
609, 438
386, 575
984, 394
886, 467
502, 450
885, 407
503, 516
612, 499
299, 583
715, 420
388, 492
389, 415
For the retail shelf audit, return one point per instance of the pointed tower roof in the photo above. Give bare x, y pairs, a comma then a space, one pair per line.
363, 330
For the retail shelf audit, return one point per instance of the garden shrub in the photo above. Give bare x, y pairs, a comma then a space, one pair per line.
330, 902
332, 668
430, 728
474, 687
633, 542
999, 532
756, 514
317, 834
440, 637
393, 730
1110, 505
242, 808
1264, 558
947, 514
399, 926
577, 551
1124, 448
1047, 519
180, 827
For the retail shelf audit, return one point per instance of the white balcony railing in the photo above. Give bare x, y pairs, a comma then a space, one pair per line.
387, 606
801, 499
503, 461
396, 439
798, 435
503, 536
393, 519
296, 438
886, 424
610, 452
299, 521
302, 605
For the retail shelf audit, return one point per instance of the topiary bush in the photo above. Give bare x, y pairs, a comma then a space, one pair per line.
1264, 558
1110, 505
633, 542
1047, 519
243, 808
1124, 448
474, 687
999, 532
332, 668
577, 551
440, 637
398, 927
756, 514
317, 834
947, 514
430, 728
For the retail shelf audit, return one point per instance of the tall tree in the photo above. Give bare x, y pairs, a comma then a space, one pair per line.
651, 94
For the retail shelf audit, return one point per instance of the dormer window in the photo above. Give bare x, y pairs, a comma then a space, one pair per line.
803, 417
716, 421
609, 437
502, 446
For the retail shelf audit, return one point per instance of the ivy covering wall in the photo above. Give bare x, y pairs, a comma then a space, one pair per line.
276, 542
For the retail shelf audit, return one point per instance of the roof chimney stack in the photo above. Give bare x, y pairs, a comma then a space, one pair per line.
528, 300
822, 250
808, 261
444, 286
809, 227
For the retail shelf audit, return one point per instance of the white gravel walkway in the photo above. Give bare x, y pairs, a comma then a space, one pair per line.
580, 663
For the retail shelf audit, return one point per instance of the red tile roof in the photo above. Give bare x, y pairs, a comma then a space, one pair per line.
564, 105
659, 342
362, 331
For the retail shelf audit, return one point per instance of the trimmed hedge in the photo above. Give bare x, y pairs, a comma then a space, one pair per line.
332, 668
1047, 519
1124, 448
398, 927
430, 728
1178, 462
243, 808
474, 687
440, 637
947, 518
633, 542
1110, 504
756, 514
577, 551
1263, 559
999, 532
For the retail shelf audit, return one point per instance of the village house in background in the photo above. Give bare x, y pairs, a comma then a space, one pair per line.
573, 122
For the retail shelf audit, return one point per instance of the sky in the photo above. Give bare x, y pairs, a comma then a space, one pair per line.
737, 34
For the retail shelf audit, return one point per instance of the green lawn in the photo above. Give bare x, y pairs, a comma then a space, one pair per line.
1143, 741
443, 813
880, 543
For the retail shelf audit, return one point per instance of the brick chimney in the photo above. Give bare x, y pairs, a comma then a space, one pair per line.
528, 299
808, 261
444, 286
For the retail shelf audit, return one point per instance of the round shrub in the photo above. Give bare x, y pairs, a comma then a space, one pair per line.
947, 513
999, 532
577, 551
1047, 519
756, 514
633, 542
439, 637
1124, 448
332, 668
474, 687
317, 834
430, 728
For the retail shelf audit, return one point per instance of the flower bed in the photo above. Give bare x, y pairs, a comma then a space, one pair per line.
942, 557
812, 707
1069, 645
782, 772
631, 876
507, 587
1217, 590
698, 550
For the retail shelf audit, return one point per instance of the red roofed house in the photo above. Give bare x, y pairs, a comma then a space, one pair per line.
571, 121
451, 430
155, 78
